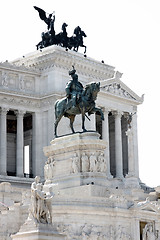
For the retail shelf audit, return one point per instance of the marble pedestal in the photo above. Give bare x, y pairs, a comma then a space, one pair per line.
34, 231
75, 160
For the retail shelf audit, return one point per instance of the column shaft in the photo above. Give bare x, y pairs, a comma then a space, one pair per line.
105, 131
3, 142
135, 144
20, 144
131, 170
118, 146
37, 145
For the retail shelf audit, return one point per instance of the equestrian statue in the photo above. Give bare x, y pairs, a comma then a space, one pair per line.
78, 100
49, 37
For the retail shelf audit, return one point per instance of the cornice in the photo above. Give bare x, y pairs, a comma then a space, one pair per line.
56, 56
7, 66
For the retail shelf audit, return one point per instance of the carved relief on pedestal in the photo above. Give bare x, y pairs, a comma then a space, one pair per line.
93, 162
49, 168
75, 167
85, 162
102, 163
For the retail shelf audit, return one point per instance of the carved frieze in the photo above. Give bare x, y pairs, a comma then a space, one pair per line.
90, 232
29, 83
17, 81
20, 101
117, 89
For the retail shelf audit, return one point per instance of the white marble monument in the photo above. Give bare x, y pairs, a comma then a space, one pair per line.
94, 175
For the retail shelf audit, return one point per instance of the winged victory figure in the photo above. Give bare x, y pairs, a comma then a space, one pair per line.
48, 20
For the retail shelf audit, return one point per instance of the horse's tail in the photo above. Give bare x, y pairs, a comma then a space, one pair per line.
55, 108
60, 107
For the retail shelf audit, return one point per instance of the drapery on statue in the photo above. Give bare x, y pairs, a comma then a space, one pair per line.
51, 38
78, 100
41, 203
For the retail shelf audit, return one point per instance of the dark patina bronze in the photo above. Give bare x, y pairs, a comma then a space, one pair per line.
49, 37
78, 100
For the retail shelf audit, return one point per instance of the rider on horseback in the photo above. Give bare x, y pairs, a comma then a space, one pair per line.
74, 88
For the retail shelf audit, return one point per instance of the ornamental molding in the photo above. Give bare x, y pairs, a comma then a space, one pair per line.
55, 56
28, 102
147, 205
115, 87
9, 66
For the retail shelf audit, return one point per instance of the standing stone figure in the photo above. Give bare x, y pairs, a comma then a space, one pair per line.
4, 79
148, 232
41, 203
33, 196
21, 82
75, 164
85, 162
102, 162
119, 233
93, 160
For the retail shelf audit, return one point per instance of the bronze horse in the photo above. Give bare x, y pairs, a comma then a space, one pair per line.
85, 104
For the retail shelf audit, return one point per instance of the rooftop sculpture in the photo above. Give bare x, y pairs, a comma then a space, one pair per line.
78, 100
50, 37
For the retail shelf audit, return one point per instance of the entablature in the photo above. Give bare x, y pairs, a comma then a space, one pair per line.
59, 57
7, 66
29, 102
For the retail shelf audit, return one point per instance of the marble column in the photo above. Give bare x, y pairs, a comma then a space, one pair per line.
3, 141
20, 144
105, 131
51, 120
118, 145
135, 144
37, 145
131, 169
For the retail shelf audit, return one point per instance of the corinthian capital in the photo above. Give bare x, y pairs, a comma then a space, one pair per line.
19, 113
117, 113
4, 110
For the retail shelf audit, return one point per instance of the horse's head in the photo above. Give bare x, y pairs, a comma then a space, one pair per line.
91, 90
83, 34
